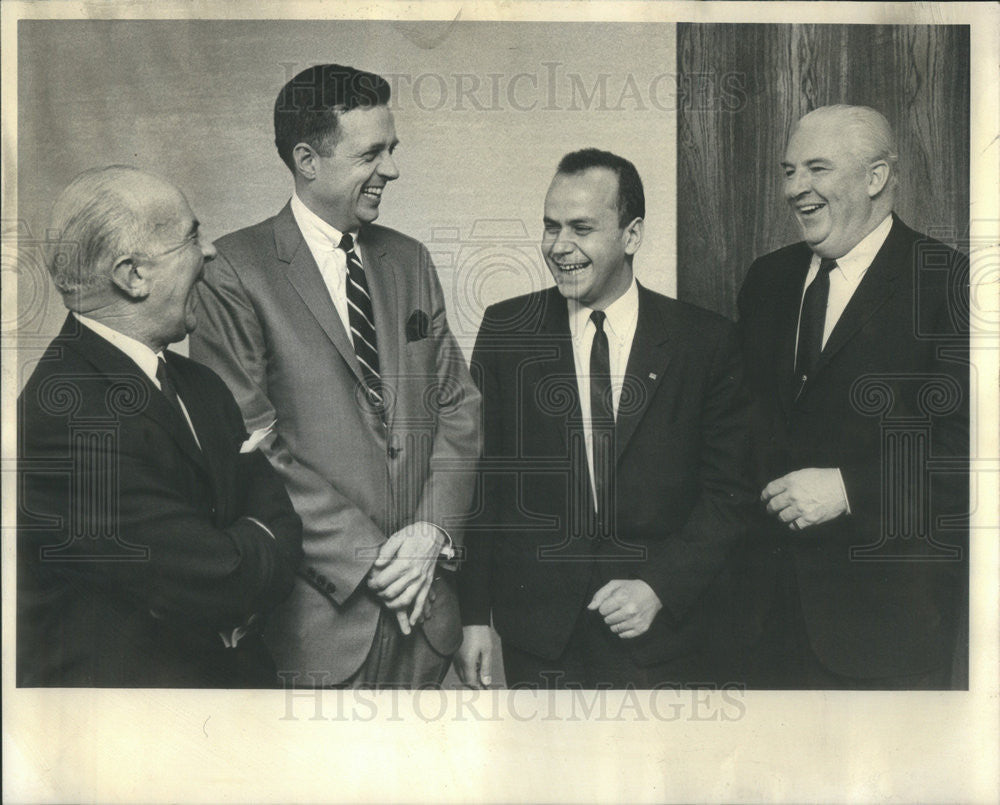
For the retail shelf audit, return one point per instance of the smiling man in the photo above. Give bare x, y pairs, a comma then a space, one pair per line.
151, 536
856, 344
331, 332
614, 466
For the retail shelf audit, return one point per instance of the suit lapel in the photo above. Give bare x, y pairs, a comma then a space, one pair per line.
647, 363
786, 325
210, 435
111, 362
875, 288
557, 371
305, 277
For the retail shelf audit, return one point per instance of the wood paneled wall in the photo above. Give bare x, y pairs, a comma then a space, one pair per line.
743, 86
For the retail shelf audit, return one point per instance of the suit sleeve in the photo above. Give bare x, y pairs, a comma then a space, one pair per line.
340, 541
263, 498
688, 561
458, 438
474, 579
150, 543
944, 310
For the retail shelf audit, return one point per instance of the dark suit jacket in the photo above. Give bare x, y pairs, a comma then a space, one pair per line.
682, 456
890, 395
133, 547
267, 325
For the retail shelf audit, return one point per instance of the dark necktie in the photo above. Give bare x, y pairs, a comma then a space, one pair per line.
169, 389
168, 385
362, 321
812, 322
602, 416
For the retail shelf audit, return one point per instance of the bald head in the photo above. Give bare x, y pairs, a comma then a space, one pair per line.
866, 131
840, 176
101, 216
128, 253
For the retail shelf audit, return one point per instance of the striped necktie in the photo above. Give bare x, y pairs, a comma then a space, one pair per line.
362, 320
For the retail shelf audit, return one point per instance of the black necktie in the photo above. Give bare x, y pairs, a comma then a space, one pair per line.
602, 416
362, 321
813, 321
169, 389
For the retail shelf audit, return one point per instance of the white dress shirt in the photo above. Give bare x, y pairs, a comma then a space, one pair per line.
323, 241
845, 278
622, 317
144, 357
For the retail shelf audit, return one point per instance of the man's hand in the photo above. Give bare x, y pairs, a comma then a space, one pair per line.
474, 659
628, 606
806, 498
404, 571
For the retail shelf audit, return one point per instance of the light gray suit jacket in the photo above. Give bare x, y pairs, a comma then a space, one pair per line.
267, 325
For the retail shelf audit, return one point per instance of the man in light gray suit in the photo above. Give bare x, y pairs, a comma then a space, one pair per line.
331, 332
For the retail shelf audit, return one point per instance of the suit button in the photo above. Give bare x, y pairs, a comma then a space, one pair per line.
330, 587
321, 579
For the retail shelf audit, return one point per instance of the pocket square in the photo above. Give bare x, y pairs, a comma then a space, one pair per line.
256, 438
418, 326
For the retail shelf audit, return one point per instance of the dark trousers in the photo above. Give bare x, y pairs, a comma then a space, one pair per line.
784, 659
399, 661
595, 658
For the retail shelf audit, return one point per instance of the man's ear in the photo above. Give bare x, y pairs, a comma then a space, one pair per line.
131, 277
878, 177
633, 236
304, 157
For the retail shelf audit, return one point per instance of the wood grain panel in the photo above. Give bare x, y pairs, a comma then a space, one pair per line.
757, 80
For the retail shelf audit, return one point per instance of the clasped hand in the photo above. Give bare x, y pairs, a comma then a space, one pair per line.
806, 497
404, 570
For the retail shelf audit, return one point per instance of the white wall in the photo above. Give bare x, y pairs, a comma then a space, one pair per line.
484, 111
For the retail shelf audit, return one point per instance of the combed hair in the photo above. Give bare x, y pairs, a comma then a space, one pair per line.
91, 226
631, 198
871, 128
308, 106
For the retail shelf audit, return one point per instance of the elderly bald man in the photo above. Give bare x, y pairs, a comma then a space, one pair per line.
856, 343
152, 537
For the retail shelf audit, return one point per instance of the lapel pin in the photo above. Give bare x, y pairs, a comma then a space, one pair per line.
652, 375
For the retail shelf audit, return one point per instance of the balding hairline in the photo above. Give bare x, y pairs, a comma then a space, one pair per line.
97, 219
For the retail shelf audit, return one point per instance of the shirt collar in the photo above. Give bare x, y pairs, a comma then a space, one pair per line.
621, 314
144, 357
315, 230
855, 263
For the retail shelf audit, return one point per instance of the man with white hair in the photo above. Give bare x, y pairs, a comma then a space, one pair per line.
151, 535
855, 343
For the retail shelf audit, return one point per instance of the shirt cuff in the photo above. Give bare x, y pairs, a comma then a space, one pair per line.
447, 552
843, 491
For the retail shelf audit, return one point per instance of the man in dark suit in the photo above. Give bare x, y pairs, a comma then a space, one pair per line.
151, 537
614, 462
856, 346
332, 331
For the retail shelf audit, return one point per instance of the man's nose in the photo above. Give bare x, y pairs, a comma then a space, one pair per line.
796, 184
562, 244
387, 168
208, 252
